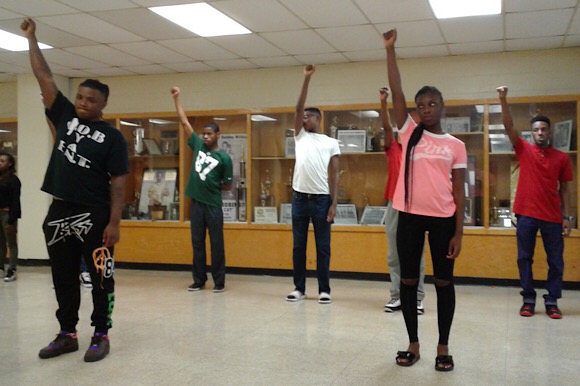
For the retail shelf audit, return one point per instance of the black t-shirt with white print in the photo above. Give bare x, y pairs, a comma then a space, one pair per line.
84, 157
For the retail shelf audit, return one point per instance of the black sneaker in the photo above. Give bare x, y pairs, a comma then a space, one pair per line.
527, 309
65, 342
10, 274
195, 287
99, 347
219, 288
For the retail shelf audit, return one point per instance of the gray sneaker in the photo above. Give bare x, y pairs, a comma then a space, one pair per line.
65, 342
10, 275
99, 348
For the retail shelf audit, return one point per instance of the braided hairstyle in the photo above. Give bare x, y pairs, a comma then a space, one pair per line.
413, 141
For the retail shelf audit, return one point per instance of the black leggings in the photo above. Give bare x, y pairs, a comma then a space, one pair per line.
73, 232
410, 242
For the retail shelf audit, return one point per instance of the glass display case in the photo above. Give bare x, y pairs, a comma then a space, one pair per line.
9, 136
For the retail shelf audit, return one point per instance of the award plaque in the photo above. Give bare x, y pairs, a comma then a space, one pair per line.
266, 215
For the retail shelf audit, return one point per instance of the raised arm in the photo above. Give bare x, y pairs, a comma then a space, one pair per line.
399, 103
175, 91
385, 118
299, 117
38, 63
506, 115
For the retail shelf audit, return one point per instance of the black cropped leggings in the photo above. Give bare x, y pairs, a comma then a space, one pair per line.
410, 242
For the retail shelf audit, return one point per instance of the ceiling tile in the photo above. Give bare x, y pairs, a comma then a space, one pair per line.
100, 5
534, 43
189, 67
46, 34
322, 58
353, 38
536, 5
110, 71
575, 27
17, 58
393, 11
235, 64
150, 51
365, 56
72, 73
299, 42
90, 27
198, 48
418, 52
37, 8
276, 61
250, 45
108, 55
533, 24
407, 35
260, 15
151, 69
326, 13
7, 77
6, 14
69, 59
476, 47
479, 28
146, 23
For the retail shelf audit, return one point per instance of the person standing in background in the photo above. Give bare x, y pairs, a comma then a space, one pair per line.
314, 197
211, 172
393, 151
10, 212
542, 203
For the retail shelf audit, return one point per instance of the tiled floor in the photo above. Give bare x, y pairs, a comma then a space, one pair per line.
249, 335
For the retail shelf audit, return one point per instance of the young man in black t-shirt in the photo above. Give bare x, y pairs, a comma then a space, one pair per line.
86, 177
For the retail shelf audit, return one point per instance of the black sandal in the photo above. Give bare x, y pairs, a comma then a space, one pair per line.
410, 358
444, 363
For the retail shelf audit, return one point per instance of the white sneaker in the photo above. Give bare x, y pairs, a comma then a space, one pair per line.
295, 296
324, 298
420, 307
393, 305
86, 280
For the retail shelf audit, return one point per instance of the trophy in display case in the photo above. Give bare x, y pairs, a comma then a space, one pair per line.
139, 135
266, 197
341, 194
242, 191
289, 185
334, 127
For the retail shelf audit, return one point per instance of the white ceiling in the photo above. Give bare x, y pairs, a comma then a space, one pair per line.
93, 38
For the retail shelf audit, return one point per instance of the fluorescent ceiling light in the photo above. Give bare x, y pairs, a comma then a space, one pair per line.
12, 42
129, 123
262, 118
446, 9
201, 19
219, 119
160, 121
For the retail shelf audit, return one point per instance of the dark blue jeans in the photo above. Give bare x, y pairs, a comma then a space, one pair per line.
306, 208
204, 217
527, 229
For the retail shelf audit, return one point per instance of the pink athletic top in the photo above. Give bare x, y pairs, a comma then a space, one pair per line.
435, 155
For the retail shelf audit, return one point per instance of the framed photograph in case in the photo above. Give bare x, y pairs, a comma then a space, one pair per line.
265, 215
500, 143
468, 214
152, 146
290, 147
457, 125
562, 135
374, 215
352, 141
157, 191
286, 213
346, 214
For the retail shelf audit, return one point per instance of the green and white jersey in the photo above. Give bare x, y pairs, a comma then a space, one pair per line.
209, 170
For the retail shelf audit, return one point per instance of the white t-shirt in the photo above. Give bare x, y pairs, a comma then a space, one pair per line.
313, 153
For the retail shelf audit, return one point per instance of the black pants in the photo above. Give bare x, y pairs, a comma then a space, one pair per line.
73, 232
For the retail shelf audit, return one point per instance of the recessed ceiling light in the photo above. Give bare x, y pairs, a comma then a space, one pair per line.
201, 19
446, 9
12, 42
262, 118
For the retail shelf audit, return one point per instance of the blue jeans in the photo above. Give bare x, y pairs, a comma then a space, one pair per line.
204, 217
527, 229
306, 208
